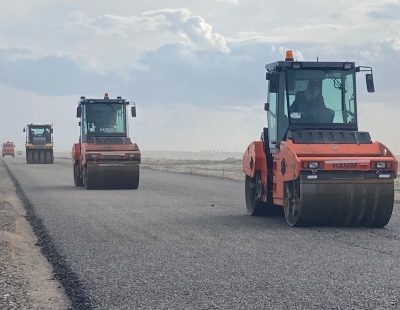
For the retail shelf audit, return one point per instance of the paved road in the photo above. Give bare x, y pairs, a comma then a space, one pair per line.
185, 242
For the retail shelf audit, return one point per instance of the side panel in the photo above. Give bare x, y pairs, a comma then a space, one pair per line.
387, 152
76, 153
254, 159
286, 167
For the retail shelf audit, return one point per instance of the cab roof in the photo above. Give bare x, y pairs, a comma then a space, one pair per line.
298, 65
106, 99
40, 125
291, 63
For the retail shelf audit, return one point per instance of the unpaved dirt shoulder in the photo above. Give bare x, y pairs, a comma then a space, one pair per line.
26, 278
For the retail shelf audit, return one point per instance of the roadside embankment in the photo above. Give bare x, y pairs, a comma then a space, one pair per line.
26, 277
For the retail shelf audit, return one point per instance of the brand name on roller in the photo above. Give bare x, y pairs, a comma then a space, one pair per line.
344, 165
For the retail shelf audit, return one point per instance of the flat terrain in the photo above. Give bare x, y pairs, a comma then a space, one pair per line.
185, 242
230, 168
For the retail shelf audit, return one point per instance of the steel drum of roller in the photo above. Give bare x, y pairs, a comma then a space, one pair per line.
111, 176
341, 203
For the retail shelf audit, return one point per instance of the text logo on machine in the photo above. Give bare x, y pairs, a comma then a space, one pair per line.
344, 166
334, 147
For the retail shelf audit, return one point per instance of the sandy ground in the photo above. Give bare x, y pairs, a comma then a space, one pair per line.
230, 168
26, 279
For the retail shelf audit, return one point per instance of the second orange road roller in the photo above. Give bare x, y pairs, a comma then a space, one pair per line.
105, 157
312, 160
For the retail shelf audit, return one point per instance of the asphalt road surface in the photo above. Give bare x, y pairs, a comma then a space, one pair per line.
186, 242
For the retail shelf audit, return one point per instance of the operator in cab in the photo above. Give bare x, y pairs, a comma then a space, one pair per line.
311, 105
47, 135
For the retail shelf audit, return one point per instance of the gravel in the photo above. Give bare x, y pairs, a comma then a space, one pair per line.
62, 272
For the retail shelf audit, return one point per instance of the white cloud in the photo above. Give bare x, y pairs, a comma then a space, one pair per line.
130, 37
203, 53
188, 28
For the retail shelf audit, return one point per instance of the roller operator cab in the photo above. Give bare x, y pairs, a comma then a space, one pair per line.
105, 156
8, 149
312, 160
39, 144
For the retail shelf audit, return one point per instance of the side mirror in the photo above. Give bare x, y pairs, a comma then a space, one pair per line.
274, 83
369, 79
51, 130
23, 130
79, 124
78, 112
133, 111
266, 106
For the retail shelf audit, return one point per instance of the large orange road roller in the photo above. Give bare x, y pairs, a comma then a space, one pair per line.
312, 160
105, 157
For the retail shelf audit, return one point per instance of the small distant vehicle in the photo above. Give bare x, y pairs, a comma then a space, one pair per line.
20, 153
39, 144
7, 149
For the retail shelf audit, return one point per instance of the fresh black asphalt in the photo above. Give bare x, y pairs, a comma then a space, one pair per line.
186, 242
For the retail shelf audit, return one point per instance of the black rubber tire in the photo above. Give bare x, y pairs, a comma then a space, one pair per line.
30, 158
77, 178
254, 206
35, 157
86, 184
292, 217
42, 159
47, 159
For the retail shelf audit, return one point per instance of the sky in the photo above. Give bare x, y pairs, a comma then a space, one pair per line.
194, 68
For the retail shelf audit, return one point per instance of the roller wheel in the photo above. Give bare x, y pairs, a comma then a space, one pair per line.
384, 211
135, 184
35, 157
254, 204
30, 158
292, 205
48, 158
87, 182
77, 178
42, 159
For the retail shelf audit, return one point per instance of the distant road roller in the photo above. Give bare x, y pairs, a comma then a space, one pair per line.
39, 144
312, 160
105, 157
8, 149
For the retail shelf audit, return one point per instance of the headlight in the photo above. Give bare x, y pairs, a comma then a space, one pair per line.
381, 165
313, 165
131, 155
